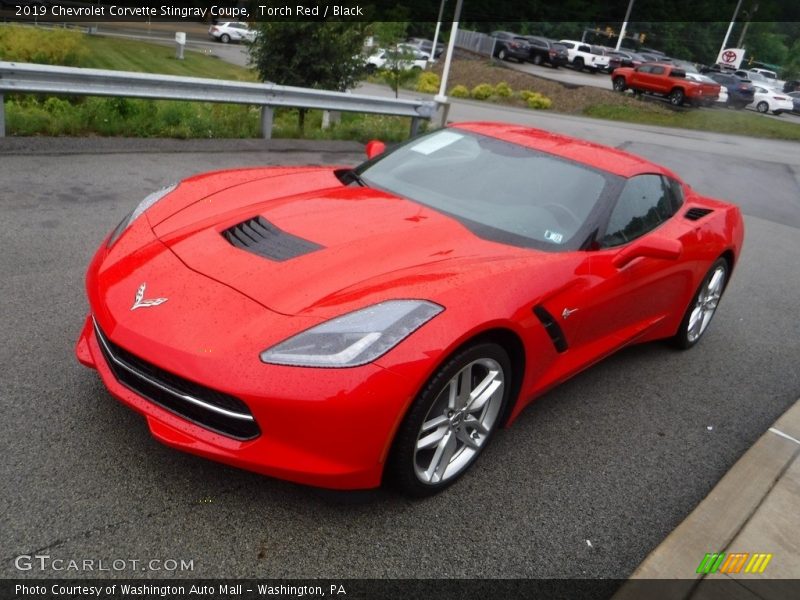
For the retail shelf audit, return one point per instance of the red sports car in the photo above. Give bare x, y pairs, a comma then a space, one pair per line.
343, 327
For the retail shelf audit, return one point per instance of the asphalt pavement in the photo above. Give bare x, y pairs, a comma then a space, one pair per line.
586, 483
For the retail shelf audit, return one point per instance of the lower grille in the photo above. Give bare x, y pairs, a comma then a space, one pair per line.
208, 408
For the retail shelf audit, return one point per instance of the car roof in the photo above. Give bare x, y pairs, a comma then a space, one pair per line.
593, 155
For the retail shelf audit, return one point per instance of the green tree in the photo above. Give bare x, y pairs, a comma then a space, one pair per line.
310, 54
388, 35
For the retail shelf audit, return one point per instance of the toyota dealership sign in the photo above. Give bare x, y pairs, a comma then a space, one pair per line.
731, 57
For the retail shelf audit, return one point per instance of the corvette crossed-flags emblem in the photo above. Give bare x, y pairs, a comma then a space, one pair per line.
140, 302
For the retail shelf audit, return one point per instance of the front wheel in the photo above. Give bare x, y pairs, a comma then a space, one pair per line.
537, 59
451, 421
703, 306
762, 107
502, 54
619, 84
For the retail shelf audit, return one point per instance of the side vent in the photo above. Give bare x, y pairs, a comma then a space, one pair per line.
694, 214
259, 236
552, 328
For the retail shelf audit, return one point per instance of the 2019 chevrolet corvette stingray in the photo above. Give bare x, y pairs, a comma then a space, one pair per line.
343, 327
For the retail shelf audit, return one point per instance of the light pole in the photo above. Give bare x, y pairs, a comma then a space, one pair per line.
749, 16
730, 27
624, 24
441, 97
436, 32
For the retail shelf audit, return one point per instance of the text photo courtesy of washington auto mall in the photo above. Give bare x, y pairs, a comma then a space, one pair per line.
408, 299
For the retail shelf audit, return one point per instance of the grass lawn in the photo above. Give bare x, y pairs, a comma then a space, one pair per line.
131, 55
739, 122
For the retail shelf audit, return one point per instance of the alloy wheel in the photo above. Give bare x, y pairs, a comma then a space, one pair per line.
459, 421
706, 304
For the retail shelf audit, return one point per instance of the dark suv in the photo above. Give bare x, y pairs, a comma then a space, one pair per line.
510, 45
740, 91
545, 51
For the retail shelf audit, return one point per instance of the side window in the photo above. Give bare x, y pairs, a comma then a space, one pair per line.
645, 202
675, 192
644, 69
657, 71
584, 49
569, 45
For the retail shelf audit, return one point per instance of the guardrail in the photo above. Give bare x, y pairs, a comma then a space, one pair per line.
73, 81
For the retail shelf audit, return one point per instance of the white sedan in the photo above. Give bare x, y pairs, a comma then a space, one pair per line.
767, 100
406, 58
232, 31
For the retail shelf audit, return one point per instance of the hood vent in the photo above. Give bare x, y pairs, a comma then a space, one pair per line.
694, 214
259, 236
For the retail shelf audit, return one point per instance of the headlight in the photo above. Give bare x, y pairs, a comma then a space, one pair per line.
136, 213
356, 338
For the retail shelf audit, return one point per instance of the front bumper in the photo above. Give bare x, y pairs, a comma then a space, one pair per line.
328, 428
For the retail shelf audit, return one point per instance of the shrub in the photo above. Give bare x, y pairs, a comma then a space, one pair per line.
482, 91
535, 99
503, 90
459, 91
49, 47
428, 83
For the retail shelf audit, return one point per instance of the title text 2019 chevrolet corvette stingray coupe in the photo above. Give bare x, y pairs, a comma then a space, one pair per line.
343, 327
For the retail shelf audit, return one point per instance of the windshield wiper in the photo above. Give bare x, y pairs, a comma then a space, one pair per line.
348, 176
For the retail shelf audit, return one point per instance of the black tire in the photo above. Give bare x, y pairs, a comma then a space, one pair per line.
402, 466
683, 339
762, 107
501, 54
619, 84
676, 97
578, 63
777, 113
537, 59
224, 38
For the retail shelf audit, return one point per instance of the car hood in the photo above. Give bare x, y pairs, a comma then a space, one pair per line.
331, 249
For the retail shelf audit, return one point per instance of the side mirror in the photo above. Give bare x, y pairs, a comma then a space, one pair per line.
374, 148
650, 246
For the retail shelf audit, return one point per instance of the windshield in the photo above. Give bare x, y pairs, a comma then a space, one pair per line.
499, 190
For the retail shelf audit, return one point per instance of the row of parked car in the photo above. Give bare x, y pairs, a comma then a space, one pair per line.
558, 53
682, 82
651, 71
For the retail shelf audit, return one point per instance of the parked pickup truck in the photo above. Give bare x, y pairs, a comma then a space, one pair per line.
664, 80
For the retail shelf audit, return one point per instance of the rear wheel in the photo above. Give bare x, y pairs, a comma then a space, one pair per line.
537, 59
619, 84
676, 97
578, 63
703, 306
451, 421
224, 38
762, 107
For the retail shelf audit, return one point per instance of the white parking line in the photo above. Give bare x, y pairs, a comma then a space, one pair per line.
784, 435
